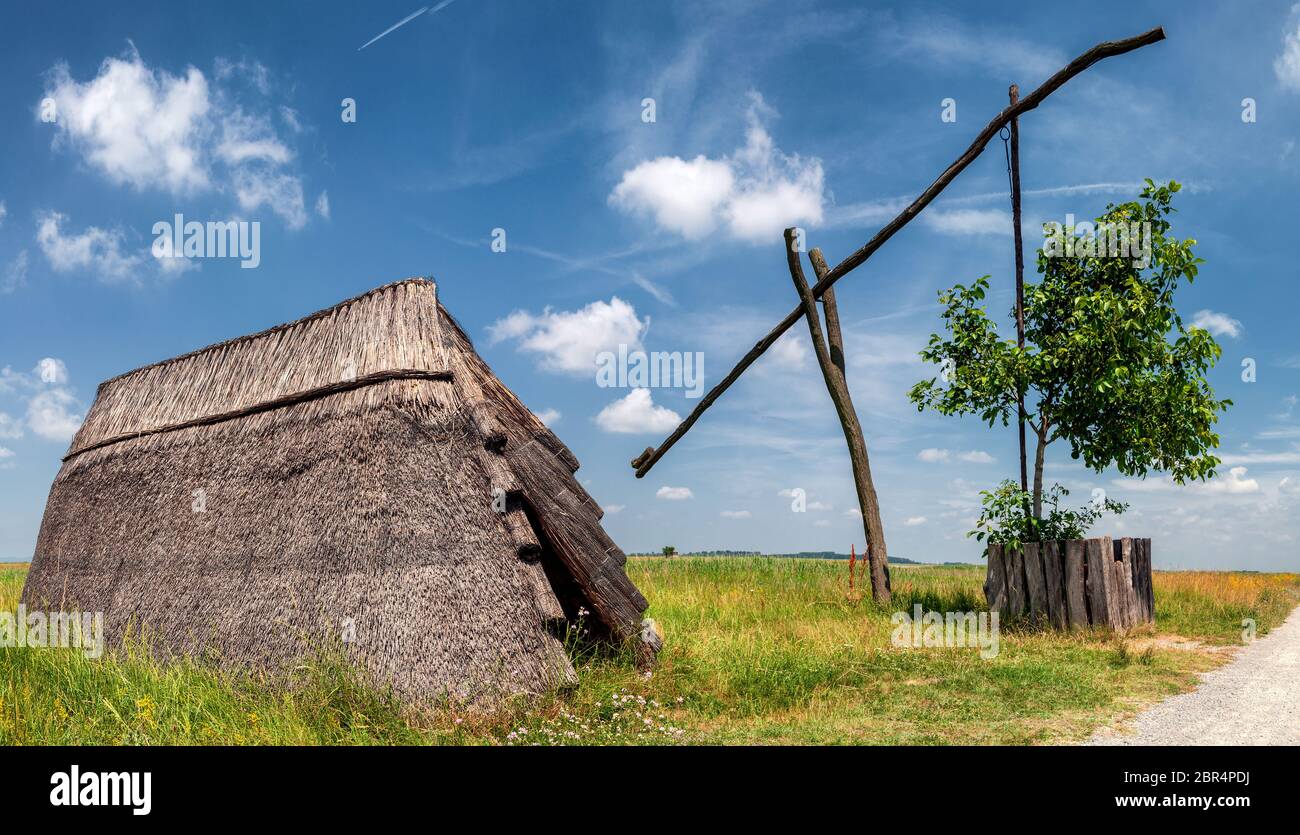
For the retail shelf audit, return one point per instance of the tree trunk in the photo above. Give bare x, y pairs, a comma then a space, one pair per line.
1039, 455
832, 368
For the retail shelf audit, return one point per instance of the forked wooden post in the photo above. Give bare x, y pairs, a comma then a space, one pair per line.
830, 358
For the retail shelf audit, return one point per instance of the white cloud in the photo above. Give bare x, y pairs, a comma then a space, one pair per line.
323, 205
969, 222
1261, 458
245, 138
15, 274
913, 521
790, 351
939, 456
96, 250
5, 455
171, 267
819, 505
975, 456
4, 211
1218, 324
568, 341
548, 416
637, 413
51, 415
735, 514
1287, 65
936, 40
1234, 482
146, 128
682, 197
611, 509
674, 494
281, 193
9, 428
140, 127
754, 193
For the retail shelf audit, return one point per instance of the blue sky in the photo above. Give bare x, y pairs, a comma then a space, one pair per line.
663, 234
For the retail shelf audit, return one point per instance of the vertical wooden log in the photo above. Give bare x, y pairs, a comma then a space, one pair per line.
995, 581
1076, 594
1035, 584
1103, 605
1143, 580
1126, 594
1014, 560
837, 387
1054, 576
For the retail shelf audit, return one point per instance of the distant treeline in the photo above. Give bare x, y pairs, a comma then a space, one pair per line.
803, 555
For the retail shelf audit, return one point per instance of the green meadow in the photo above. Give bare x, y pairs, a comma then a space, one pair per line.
757, 651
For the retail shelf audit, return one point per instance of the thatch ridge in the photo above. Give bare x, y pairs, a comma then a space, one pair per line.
325, 311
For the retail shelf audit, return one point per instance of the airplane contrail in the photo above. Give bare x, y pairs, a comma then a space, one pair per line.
412, 16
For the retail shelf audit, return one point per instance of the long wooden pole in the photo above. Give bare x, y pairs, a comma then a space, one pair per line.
1014, 94
1106, 49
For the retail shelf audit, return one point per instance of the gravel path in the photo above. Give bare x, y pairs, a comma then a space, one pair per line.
1252, 700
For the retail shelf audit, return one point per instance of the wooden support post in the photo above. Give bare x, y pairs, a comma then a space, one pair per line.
833, 374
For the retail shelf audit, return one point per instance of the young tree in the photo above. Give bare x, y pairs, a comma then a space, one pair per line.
1108, 365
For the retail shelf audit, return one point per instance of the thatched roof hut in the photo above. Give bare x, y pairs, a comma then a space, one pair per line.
360, 472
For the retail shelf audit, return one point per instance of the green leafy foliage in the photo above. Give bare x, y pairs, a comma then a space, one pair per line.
1005, 519
1108, 365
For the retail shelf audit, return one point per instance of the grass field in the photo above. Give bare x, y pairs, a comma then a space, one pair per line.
766, 651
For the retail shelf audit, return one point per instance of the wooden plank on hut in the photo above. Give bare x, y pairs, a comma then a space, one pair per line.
1076, 595
1014, 561
995, 581
1054, 577
1034, 581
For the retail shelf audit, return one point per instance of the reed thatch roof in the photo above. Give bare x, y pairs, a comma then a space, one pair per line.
335, 475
